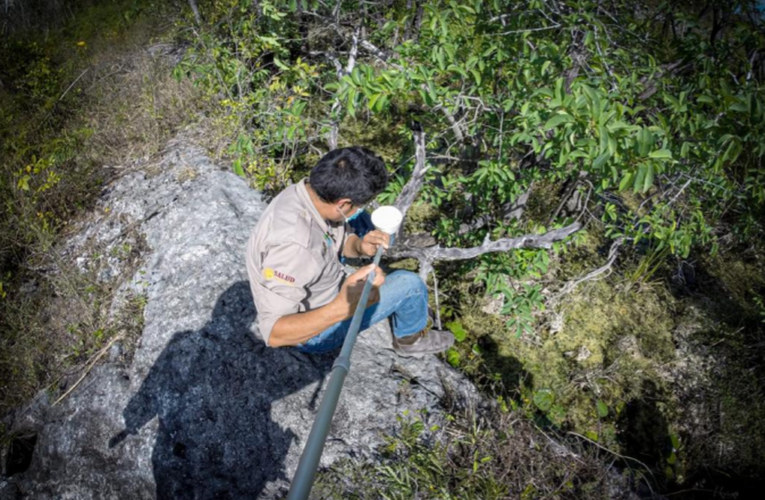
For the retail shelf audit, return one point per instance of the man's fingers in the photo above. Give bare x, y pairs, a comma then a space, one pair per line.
377, 238
379, 277
363, 272
359, 276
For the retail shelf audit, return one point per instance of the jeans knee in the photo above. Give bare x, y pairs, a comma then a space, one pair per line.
410, 282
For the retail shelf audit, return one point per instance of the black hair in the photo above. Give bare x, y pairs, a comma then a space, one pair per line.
356, 173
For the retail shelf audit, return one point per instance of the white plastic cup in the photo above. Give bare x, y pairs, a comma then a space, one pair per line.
388, 219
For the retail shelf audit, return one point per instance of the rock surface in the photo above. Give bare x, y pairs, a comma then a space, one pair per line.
204, 409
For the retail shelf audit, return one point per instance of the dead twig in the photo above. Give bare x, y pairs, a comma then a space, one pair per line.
73, 84
613, 252
98, 356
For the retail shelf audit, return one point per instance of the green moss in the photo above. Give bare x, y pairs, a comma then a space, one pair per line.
418, 218
376, 133
582, 254
630, 200
405, 264
542, 202
611, 343
741, 282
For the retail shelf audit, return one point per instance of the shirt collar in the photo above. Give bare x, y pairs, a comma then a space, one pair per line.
305, 199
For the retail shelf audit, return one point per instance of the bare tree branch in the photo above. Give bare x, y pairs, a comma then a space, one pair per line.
456, 126
413, 186
334, 130
572, 185
426, 256
377, 52
354, 51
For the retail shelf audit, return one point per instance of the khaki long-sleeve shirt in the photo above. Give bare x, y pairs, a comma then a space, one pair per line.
293, 258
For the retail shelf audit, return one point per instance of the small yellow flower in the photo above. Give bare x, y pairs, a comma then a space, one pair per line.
81, 43
107, 209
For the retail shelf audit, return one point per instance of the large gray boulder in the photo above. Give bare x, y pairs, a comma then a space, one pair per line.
204, 409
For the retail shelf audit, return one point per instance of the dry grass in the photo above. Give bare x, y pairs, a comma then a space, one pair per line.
120, 105
486, 454
135, 107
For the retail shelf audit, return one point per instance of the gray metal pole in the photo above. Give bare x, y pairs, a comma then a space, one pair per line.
309, 460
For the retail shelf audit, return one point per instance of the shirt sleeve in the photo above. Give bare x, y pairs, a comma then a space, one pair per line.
287, 271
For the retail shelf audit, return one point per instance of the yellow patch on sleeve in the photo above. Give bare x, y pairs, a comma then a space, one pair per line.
271, 274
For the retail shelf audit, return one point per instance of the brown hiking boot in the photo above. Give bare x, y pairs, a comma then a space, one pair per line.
426, 341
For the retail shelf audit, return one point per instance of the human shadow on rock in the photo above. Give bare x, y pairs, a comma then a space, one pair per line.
212, 391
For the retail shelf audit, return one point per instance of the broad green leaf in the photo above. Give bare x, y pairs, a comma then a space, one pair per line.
381, 102
453, 357
458, 69
661, 153
640, 177
732, 152
604, 137
725, 138
457, 329
348, 80
557, 120
352, 101
356, 76
648, 181
739, 106
600, 160
544, 399
626, 181
238, 167
373, 100
432, 92
645, 141
440, 58
592, 94
476, 75
685, 149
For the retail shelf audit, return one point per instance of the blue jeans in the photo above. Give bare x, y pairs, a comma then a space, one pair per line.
403, 298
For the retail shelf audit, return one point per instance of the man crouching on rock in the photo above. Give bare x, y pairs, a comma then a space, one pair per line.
302, 294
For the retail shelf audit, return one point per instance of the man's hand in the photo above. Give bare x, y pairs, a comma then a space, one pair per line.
350, 293
293, 329
368, 246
